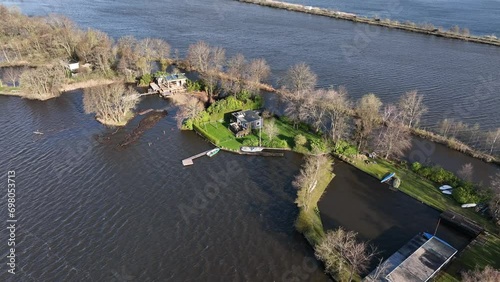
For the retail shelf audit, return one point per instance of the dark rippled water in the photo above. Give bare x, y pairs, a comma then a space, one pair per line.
459, 79
90, 212
481, 17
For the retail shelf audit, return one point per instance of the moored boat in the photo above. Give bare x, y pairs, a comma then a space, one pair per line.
471, 205
445, 187
251, 149
212, 152
387, 177
447, 192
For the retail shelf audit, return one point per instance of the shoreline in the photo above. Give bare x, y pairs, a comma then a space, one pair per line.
371, 21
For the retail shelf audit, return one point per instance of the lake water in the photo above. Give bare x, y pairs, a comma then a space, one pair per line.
90, 212
482, 17
459, 79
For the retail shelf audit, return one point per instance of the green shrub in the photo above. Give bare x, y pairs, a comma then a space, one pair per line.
464, 195
193, 86
188, 124
244, 95
317, 145
145, 79
300, 140
251, 141
416, 166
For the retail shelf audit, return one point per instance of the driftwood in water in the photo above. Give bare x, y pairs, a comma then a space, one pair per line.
145, 124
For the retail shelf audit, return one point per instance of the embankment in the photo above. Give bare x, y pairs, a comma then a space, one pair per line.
411, 27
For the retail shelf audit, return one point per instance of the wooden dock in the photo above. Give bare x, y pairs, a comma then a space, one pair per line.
461, 222
189, 161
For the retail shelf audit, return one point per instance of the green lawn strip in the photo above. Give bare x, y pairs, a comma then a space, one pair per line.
483, 251
422, 190
218, 133
482, 254
8, 89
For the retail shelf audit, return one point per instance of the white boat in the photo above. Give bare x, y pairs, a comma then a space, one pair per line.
471, 205
445, 187
252, 149
38, 132
447, 192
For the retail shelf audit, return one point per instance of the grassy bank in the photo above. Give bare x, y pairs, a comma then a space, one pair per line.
10, 91
422, 189
412, 27
455, 144
485, 250
219, 134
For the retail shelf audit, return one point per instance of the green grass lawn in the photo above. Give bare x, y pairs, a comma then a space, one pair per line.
422, 190
485, 251
218, 133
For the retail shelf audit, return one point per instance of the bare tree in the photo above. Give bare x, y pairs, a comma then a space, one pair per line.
379, 272
466, 172
198, 56
216, 62
300, 78
394, 137
161, 52
236, 70
338, 107
257, 71
190, 108
359, 255
270, 129
42, 83
445, 126
110, 103
340, 249
368, 116
412, 108
95, 47
307, 179
12, 74
492, 139
488, 274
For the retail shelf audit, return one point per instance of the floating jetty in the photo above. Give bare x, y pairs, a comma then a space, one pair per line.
189, 161
461, 222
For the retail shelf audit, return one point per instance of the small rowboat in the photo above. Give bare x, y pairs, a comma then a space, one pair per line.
252, 149
387, 177
471, 205
447, 192
212, 152
445, 187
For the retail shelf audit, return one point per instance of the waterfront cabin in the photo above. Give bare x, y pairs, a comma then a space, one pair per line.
166, 84
242, 122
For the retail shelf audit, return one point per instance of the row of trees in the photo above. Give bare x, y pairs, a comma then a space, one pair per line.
48, 41
233, 75
330, 111
472, 135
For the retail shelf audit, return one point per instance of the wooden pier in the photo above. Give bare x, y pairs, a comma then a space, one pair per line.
189, 161
461, 222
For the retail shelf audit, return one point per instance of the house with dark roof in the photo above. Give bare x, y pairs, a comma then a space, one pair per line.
242, 122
